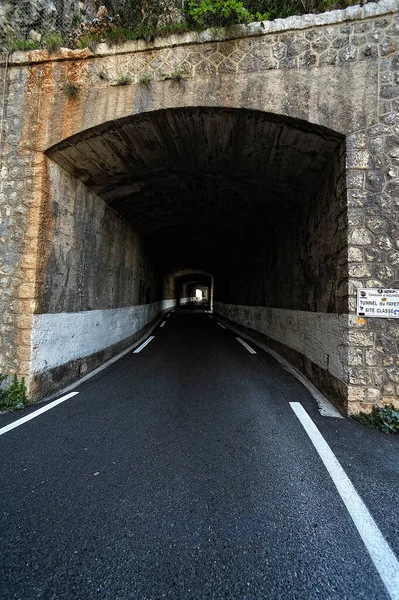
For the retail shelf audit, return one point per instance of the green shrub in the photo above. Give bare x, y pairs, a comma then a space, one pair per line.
219, 13
52, 42
15, 397
89, 41
22, 44
119, 35
273, 9
385, 419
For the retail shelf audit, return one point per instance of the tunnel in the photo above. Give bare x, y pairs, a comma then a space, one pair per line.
194, 286
247, 205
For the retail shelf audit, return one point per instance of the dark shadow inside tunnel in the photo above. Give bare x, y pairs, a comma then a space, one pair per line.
254, 198
250, 206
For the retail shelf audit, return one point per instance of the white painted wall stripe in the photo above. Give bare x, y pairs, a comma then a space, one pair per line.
143, 345
36, 413
62, 337
321, 337
380, 552
247, 346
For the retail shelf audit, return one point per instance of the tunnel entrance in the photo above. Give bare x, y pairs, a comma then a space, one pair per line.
194, 287
249, 205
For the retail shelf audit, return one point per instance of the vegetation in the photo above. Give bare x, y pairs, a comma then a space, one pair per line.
53, 42
119, 21
89, 41
117, 36
170, 28
146, 79
71, 88
15, 397
385, 419
18, 44
123, 80
176, 75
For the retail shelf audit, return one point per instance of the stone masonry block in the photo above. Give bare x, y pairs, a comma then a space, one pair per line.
361, 339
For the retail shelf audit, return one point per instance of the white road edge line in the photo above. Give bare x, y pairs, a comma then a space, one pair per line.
381, 554
36, 413
167, 316
143, 345
220, 325
251, 350
163, 324
326, 409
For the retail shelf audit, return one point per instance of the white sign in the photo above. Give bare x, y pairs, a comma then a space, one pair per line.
378, 302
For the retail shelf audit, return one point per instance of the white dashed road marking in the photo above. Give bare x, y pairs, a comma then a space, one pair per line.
139, 349
251, 350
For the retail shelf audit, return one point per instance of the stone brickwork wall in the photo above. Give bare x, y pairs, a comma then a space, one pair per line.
19, 226
338, 70
373, 216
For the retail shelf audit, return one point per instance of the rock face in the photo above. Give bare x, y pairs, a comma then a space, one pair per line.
19, 18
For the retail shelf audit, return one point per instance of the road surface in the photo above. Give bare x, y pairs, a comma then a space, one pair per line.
183, 472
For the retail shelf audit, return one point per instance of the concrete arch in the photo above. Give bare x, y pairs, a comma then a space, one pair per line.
240, 193
341, 100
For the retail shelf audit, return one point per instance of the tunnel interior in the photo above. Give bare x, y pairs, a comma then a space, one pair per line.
250, 205
193, 286
252, 198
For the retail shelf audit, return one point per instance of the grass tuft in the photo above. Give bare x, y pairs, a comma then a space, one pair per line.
71, 88
52, 42
176, 75
123, 80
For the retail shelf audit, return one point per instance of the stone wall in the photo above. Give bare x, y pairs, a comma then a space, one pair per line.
18, 227
337, 70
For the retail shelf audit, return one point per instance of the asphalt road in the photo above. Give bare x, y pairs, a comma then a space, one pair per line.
182, 472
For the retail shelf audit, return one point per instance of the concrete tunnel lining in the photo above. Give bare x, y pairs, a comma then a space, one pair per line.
199, 175
252, 199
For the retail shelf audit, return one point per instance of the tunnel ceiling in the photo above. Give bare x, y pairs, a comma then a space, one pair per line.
202, 177
194, 279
